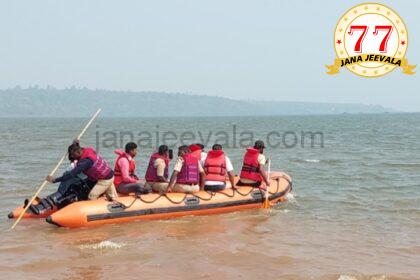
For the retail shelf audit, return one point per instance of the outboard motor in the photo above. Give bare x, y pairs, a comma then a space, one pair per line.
69, 191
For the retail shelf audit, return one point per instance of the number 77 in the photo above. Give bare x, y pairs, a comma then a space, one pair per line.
382, 47
364, 29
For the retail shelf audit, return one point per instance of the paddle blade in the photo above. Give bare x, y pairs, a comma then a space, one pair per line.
266, 204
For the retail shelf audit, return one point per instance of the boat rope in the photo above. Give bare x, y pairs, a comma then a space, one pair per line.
210, 193
151, 201
244, 194
175, 202
205, 199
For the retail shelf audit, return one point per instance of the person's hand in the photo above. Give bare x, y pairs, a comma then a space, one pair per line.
76, 141
50, 179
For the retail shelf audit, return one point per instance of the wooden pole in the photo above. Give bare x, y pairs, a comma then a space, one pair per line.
53, 171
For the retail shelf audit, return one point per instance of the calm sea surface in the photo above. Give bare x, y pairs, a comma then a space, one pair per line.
354, 214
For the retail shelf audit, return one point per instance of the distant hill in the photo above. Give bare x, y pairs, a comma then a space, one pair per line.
78, 102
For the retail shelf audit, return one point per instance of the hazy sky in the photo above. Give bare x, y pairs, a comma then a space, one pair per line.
240, 49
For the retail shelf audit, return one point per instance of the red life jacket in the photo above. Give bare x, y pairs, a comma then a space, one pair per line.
251, 167
151, 173
196, 154
118, 179
215, 166
100, 168
189, 173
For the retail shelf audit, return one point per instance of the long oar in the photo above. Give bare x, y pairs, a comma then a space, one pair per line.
53, 171
266, 203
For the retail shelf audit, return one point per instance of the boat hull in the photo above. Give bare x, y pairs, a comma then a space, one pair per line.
171, 205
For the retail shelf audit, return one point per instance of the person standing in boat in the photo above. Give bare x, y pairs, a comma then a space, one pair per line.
157, 173
98, 171
125, 179
253, 172
217, 165
188, 175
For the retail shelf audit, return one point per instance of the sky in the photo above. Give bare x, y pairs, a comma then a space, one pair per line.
269, 50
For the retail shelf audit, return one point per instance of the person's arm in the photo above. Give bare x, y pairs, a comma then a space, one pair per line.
81, 166
229, 169
232, 179
173, 180
124, 165
264, 175
160, 170
202, 176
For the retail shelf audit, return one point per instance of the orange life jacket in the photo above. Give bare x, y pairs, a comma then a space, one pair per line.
251, 166
215, 166
118, 179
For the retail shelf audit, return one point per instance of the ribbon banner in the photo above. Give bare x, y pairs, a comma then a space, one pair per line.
343, 62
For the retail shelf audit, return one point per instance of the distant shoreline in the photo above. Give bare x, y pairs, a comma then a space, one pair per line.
74, 102
198, 117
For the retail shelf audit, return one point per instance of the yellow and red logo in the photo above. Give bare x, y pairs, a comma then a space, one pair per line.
370, 40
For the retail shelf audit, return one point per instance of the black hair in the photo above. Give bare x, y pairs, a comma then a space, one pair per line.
130, 146
184, 148
73, 148
217, 147
259, 145
163, 149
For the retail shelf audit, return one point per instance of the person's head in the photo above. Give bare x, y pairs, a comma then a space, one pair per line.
163, 150
131, 149
200, 145
194, 147
259, 145
183, 150
217, 147
75, 152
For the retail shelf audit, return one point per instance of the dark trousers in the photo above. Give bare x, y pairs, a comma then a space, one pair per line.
214, 188
254, 185
133, 188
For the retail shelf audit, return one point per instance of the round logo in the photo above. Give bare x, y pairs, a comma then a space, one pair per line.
370, 40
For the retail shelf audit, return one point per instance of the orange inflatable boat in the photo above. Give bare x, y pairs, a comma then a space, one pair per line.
29, 215
165, 206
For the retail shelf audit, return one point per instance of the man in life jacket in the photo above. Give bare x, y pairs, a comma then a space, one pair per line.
197, 150
253, 172
99, 173
188, 174
125, 179
217, 165
157, 174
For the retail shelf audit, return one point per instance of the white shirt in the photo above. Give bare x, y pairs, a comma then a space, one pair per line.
229, 168
203, 158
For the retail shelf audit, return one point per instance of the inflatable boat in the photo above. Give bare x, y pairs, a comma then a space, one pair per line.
165, 206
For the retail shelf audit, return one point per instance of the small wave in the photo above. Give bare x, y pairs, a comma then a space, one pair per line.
291, 197
102, 245
350, 277
347, 277
312, 160
402, 165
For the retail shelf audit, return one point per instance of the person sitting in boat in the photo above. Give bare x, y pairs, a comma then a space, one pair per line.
197, 150
125, 179
217, 165
99, 173
253, 172
157, 173
188, 174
